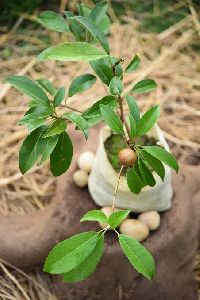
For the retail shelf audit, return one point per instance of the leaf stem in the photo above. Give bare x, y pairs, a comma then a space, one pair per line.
116, 188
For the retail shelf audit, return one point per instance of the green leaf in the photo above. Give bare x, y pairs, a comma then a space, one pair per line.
139, 257
47, 86
53, 21
94, 110
111, 119
59, 96
147, 176
32, 124
144, 86
57, 127
133, 65
134, 182
148, 120
133, 107
162, 155
102, 67
81, 83
70, 253
79, 121
35, 147
83, 10
98, 12
94, 30
116, 218
154, 163
76, 51
61, 157
75, 27
29, 88
116, 86
95, 215
132, 126
87, 267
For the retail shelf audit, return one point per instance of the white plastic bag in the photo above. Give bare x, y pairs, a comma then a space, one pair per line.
103, 179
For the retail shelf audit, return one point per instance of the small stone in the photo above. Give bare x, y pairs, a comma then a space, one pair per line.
85, 161
107, 210
135, 229
151, 219
80, 178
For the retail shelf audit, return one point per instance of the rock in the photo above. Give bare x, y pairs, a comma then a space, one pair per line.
151, 219
134, 229
80, 178
85, 161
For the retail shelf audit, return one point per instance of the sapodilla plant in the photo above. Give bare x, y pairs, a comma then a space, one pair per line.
76, 257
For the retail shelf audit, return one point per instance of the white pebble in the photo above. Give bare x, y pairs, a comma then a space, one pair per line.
80, 178
85, 161
134, 229
151, 219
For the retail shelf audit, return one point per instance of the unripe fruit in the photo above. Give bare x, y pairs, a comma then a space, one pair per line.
127, 157
80, 178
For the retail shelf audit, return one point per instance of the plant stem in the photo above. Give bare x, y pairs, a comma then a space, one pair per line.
116, 188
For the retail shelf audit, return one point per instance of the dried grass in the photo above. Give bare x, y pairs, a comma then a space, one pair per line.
167, 57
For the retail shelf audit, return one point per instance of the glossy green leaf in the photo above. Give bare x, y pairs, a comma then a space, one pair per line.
61, 157
148, 120
144, 86
32, 124
81, 83
87, 267
59, 96
117, 217
134, 182
56, 127
140, 258
111, 119
94, 215
75, 27
133, 65
98, 12
147, 176
83, 10
75, 51
132, 126
79, 121
29, 88
156, 164
95, 112
163, 156
116, 86
53, 21
94, 30
35, 148
133, 107
102, 67
70, 253
46, 85
137, 170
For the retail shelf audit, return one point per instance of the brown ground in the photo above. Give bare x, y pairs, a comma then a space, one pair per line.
167, 57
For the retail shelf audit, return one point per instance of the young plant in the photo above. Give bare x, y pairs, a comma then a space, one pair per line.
77, 257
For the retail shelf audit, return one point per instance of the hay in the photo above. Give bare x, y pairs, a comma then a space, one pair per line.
168, 57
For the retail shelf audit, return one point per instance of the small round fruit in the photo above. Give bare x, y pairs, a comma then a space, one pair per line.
151, 219
134, 229
80, 178
85, 161
127, 157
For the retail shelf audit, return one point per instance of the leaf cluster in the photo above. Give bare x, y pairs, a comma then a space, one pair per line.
77, 257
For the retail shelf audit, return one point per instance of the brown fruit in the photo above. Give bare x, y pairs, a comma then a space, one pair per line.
127, 157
